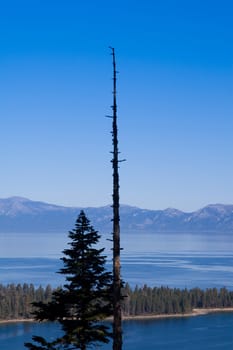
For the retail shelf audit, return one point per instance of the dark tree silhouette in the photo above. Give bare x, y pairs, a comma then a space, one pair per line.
86, 298
117, 281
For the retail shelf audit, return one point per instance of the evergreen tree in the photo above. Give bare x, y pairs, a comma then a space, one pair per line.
85, 299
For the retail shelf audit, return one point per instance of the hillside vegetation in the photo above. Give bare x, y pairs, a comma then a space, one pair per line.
15, 300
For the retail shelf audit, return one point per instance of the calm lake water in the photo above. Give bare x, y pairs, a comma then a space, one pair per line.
175, 260
200, 332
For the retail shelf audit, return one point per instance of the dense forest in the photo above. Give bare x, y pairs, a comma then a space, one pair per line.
164, 300
15, 300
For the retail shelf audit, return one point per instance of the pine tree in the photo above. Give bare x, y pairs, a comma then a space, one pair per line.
86, 298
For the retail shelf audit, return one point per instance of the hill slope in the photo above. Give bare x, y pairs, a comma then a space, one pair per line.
19, 214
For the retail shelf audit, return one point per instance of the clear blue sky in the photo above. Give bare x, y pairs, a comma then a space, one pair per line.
175, 101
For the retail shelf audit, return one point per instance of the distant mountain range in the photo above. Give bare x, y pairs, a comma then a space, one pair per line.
19, 214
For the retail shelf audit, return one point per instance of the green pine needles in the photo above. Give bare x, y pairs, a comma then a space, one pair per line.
85, 300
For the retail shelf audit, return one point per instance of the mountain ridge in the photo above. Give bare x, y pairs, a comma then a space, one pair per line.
19, 214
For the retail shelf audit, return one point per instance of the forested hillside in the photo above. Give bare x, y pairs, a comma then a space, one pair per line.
164, 300
15, 300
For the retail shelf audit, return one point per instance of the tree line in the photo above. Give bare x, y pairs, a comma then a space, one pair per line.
164, 300
16, 300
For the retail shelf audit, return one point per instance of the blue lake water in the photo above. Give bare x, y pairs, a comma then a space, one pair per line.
151, 269
175, 260
192, 333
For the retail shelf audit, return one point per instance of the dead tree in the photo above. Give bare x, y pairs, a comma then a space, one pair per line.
117, 321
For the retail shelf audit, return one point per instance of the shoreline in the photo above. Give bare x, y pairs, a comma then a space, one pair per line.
193, 313
17, 320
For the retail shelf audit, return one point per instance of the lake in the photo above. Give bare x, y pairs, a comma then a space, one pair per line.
175, 260
199, 332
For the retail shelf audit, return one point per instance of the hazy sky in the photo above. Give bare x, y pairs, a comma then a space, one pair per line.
175, 101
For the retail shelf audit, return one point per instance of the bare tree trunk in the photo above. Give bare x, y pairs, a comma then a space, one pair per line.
117, 327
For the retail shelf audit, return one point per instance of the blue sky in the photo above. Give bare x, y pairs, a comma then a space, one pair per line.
175, 101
